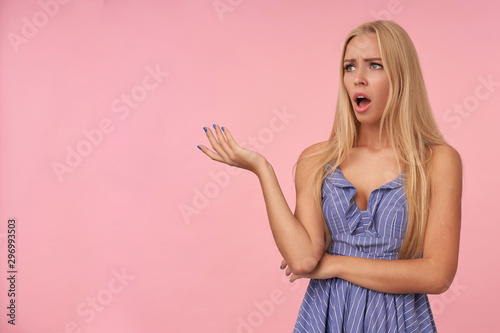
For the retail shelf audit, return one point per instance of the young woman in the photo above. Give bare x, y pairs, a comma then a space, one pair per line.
377, 220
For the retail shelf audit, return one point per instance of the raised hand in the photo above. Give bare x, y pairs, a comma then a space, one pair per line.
229, 152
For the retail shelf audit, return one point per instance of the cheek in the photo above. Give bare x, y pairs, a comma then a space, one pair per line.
347, 85
384, 88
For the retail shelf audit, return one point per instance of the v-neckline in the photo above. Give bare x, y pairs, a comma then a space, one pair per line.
356, 190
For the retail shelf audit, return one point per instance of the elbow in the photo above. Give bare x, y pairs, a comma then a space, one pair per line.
440, 285
441, 278
299, 270
304, 266
307, 261
438, 288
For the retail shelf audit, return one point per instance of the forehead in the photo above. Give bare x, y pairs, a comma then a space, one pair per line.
365, 46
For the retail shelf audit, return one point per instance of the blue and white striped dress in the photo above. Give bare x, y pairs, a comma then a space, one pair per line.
336, 305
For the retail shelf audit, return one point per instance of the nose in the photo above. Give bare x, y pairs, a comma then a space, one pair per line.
359, 78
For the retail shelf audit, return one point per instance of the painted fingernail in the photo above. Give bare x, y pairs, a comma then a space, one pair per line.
222, 128
199, 147
215, 126
281, 267
205, 129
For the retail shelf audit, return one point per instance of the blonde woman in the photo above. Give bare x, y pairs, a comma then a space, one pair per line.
377, 220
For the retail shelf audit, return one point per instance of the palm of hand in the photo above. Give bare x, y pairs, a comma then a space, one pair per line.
227, 151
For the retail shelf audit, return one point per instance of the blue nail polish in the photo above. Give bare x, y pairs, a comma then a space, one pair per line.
205, 129
222, 128
281, 267
199, 147
215, 126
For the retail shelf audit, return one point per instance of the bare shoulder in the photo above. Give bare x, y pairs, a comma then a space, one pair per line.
314, 150
445, 158
446, 166
310, 159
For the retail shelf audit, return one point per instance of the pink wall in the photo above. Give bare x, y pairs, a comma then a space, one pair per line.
123, 225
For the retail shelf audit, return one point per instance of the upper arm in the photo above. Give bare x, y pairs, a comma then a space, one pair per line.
442, 236
307, 210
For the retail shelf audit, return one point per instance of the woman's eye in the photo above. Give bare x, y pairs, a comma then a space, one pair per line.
349, 68
376, 66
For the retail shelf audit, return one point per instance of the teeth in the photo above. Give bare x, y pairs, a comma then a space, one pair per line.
360, 98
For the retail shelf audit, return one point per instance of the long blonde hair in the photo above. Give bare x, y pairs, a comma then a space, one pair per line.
408, 120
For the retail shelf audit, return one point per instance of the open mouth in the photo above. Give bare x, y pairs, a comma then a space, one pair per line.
362, 101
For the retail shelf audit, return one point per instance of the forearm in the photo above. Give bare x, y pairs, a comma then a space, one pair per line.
392, 276
389, 276
293, 237
294, 243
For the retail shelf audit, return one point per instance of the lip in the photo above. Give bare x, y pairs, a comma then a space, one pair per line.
357, 108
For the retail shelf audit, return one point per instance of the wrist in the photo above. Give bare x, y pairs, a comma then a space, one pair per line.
262, 168
336, 264
331, 265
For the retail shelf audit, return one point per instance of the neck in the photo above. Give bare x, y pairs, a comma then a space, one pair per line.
368, 137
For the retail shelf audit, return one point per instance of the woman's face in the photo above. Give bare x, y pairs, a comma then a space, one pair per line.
365, 79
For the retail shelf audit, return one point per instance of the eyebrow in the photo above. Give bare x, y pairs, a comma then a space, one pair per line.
365, 60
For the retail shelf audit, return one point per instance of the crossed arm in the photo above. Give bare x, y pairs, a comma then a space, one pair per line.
299, 235
435, 271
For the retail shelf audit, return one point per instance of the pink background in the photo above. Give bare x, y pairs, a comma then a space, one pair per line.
190, 237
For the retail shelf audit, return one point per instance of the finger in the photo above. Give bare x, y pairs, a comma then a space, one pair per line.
214, 156
288, 271
283, 264
230, 140
215, 144
222, 142
294, 277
